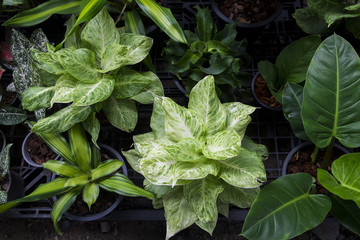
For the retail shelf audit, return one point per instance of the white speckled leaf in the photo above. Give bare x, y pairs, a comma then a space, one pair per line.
145, 143
238, 116
202, 195
140, 47
240, 197
186, 150
92, 126
223, 145
178, 213
154, 89
64, 89
157, 122
114, 57
45, 61
80, 63
39, 39
204, 100
62, 120
245, 170
10, 115
181, 122
3, 197
35, 98
5, 160
121, 113
99, 33
129, 83
87, 94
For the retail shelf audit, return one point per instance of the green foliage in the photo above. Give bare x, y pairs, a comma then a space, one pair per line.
197, 160
92, 74
81, 172
209, 52
4, 169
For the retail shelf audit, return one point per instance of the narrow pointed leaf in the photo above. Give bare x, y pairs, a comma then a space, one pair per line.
79, 180
80, 147
222, 145
203, 19
62, 168
72, 40
106, 168
90, 193
35, 98
92, 126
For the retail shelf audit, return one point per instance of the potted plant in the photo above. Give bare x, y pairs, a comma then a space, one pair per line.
322, 111
290, 66
81, 172
209, 51
197, 161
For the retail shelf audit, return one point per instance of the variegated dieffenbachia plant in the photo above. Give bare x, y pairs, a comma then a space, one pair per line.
92, 75
197, 160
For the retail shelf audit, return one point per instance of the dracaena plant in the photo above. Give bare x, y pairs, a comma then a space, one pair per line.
209, 51
81, 173
92, 75
197, 160
322, 16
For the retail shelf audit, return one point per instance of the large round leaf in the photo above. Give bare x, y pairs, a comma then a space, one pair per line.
284, 209
331, 99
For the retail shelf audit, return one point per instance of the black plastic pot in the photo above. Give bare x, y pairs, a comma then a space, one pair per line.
96, 216
180, 86
256, 97
15, 187
303, 145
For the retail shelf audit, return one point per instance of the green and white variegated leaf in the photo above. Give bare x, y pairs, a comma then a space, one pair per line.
63, 168
145, 143
157, 122
204, 100
3, 197
132, 156
245, 170
45, 61
238, 116
64, 89
129, 83
240, 197
148, 94
223, 145
39, 39
35, 98
139, 47
121, 113
10, 115
223, 208
114, 57
207, 226
181, 122
80, 147
259, 149
105, 169
5, 160
87, 94
90, 193
40, 114
186, 150
62, 120
178, 213
202, 196
158, 190
99, 33
92, 126
78, 180
20, 49
80, 63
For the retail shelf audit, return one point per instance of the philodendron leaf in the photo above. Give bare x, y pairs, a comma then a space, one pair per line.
10, 115
92, 126
99, 33
202, 195
64, 89
5, 160
148, 94
344, 182
285, 202
62, 120
86, 94
330, 98
178, 213
223, 145
245, 170
121, 113
203, 100
181, 122
292, 103
80, 63
129, 83
240, 197
35, 98
90, 193
238, 116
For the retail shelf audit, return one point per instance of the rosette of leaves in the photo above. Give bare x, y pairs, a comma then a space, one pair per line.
92, 75
209, 52
197, 160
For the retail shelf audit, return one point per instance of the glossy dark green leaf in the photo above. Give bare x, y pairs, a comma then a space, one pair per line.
205, 26
352, 24
10, 115
309, 21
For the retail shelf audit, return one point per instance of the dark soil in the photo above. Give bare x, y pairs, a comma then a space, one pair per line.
248, 11
263, 93
39, 152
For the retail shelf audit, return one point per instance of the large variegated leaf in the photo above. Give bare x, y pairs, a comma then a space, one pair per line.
10, 115
223, 145
46, 62
163, 18
80, 63
285, 202
344, 182
202, 195
92, 126
187, 150
238, 116
5, 160
181, 122
114, 57
251, 146
99, 33
331, 99
139, 47
121, 113
129, 83
148, 94
62, 120
90, 193
178, 213
207, 226
80, 147
35, 98
157, 121
86, 94
132, 156
62, 168
64, 89
240, 197
203, 100
105, 168
245, 170
145, 143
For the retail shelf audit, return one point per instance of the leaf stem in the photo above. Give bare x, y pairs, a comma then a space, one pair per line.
329, 150
314, 155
